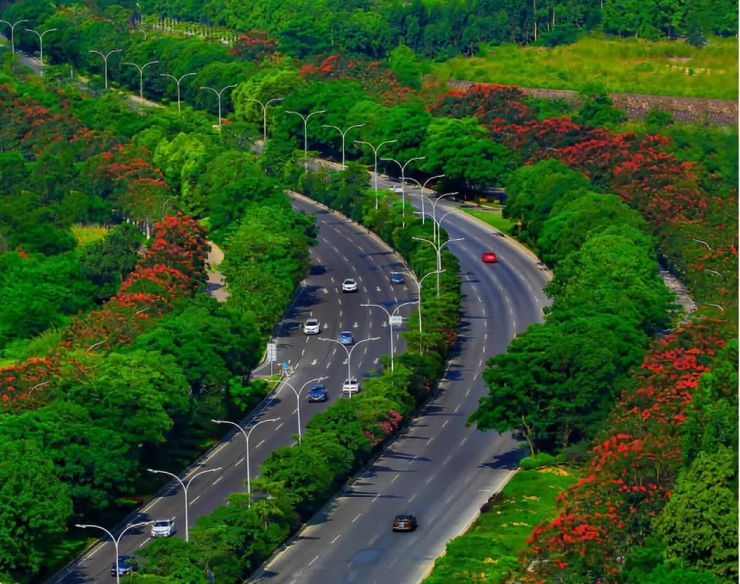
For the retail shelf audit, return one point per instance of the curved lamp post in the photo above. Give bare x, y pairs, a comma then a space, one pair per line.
343, 133
349, 352
419, 284
264, 114
390, 319
141, 78
105, 61
116, 540
179, 111
297, 393
12, 34
185, 487
438, 249
421, 193
403, 182
219, 93
41, 45
305, 132
375, 163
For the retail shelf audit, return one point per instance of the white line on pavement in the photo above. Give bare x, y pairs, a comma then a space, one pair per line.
357, 517
218, 480
457, 408
261, 443
394, 478
412, 498
239, 462
444, 425
336, 538
429, 480
277, 428
194, 500
144, 542
312, 561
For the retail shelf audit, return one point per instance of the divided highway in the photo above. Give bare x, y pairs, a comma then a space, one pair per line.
343, 250
439, 469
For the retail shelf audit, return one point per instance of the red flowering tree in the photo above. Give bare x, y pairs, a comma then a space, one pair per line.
254, 45
633, 467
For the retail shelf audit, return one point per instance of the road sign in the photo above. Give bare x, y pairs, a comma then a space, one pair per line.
285, 365
271, 351
396, 320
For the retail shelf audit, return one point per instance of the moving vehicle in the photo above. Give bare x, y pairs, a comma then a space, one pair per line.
350, 386
349, 285
397, 278
311, 327
345, 337
404, 522
317, 393
489, 257
397, 189
126, 565
163, 527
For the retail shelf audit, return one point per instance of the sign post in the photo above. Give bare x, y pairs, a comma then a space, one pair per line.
271, 355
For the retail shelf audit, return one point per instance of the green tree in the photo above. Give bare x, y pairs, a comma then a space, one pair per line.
699, 522
182, 159
34, 506
108, 261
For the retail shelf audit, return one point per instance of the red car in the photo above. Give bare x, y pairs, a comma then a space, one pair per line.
489, 257
404, 522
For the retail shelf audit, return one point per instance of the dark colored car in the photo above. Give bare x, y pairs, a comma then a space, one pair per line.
346, 338
317, 393
126, 565
397, 278
405, 522
489, 257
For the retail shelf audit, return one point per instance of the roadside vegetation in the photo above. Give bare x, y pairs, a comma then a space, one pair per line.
617, 65
489, 550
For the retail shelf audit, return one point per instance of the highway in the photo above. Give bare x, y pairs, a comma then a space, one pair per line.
343, 250
439, 469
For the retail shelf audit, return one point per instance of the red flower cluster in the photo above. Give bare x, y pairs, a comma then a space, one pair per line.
633, 467
254, 45
375, 79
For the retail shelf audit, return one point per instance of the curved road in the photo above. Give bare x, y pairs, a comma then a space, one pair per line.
343, 250
439, 469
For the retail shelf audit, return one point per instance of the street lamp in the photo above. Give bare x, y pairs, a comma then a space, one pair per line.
403, 182
438, 249
141, 78
305, 132
375, 164
349, 352
264, 114
178, 86
419, 284
185, 487
105, 61
41, 45
249, 472
116, 540
12, 35
343, 134
390, 318
421, 194
298, 400
435, 227
219, 93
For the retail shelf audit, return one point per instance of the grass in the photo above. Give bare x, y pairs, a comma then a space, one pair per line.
620, 65
85, 234
489, 550
492, 218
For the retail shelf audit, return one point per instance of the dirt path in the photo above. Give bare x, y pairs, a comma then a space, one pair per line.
216, 285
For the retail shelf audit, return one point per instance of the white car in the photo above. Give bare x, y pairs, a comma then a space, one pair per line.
349, 285
398, 189
311, 327
163, 527
350, 386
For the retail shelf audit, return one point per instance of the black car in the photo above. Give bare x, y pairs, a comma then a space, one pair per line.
405, 522
126, 565
317, 393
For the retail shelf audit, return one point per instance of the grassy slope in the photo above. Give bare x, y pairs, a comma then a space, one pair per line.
489, 550
621, 65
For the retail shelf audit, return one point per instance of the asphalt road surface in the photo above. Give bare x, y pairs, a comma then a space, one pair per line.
343, 250
439, 470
